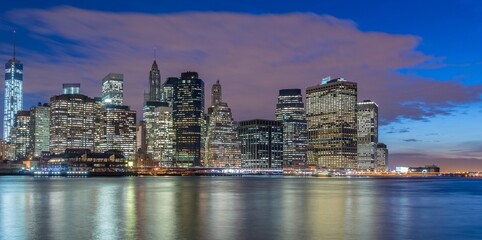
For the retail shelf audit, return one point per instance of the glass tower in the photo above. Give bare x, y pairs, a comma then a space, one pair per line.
261, 143
290, 111
13, 94
187, 112
332, 126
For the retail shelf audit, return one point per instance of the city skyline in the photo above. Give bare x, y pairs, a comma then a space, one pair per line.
398, 69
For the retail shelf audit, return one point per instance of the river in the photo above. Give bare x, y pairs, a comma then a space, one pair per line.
239, 208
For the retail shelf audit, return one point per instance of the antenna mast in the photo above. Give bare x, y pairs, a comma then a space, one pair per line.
14, 45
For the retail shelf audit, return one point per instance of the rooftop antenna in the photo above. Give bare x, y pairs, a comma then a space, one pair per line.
155, 53
14, 33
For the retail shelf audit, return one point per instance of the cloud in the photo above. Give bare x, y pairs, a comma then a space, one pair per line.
411, 140
253, 55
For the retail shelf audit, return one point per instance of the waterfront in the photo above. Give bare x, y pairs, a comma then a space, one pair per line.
239, 208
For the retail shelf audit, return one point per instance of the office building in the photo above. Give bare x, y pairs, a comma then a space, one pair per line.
290, 111
75, 120
159, 133
381, 162
21, 132
39, 129
332, 125
261, 143
222, 145
113, 89
188, 110
118, 131
367, 120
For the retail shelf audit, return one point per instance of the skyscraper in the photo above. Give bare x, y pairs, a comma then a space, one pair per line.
118, 122
188, 110
158, 121
290, 111
261, 143
74, 121
21, 133
381, 162
118, 130
39, 129
113, 89
154, 83
222, 146
13, 93
367, 120
159, 132
332, 125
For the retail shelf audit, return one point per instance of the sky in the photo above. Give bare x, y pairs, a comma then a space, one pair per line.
419, 60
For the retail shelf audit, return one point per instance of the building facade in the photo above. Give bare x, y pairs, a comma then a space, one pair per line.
21, 133
290, 111
188, 112
113, 89
367, 121
159, 132
261, 143
222, 145
75, 120
119, 130
39, 129
332, 124
13, 98
381, 162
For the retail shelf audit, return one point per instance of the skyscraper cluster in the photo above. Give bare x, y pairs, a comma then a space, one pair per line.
333, 130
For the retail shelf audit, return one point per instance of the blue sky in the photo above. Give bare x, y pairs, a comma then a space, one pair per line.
419, 60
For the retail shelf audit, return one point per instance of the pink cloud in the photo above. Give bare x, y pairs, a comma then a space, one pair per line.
253, 55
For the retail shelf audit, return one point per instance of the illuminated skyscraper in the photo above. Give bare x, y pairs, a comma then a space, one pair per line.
13, 101
332, 125
261, 143
188, 110
367, 118
21, 133
74, 121
159, 132
118, 130
290, 111
113, 89
222, 147
154, 83
158, 121
39, 129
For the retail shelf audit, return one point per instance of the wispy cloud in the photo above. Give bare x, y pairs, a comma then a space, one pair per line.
252, 55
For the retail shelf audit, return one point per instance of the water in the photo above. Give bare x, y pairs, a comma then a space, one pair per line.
239, 208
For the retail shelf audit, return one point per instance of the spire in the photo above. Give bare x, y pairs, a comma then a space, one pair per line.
154, 65
14, 33
216, 96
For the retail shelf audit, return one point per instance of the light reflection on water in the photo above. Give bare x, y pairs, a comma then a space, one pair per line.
239, 208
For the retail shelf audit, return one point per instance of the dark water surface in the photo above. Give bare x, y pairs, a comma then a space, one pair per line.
239, 208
